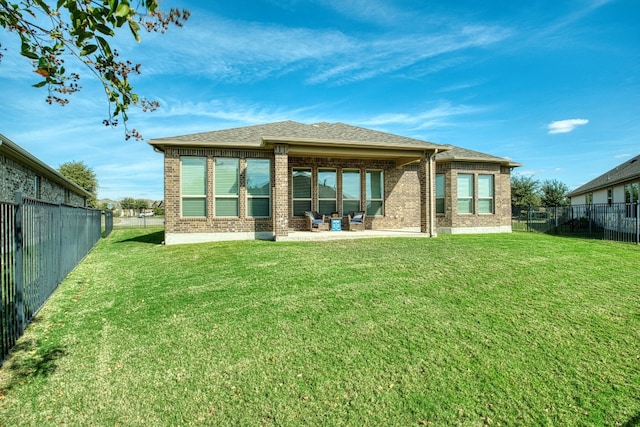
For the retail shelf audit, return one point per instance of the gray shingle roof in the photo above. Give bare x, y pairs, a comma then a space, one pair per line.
626, 171
463, 154
255, 136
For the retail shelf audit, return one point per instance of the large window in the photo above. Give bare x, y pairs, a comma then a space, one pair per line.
350, 191
258, 187
631, 199
226, 186
193, 186
301, 191
440, 194
375, 192
327, 191
485, 194
465, 193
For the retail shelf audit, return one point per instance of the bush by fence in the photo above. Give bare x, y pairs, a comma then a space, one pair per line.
616, 221
40, 243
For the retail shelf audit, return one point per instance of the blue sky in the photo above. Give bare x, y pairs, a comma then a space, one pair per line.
554, 85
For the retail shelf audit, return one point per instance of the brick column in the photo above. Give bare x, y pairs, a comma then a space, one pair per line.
427, 194
280, 200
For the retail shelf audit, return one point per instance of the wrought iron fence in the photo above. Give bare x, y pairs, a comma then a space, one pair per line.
40, 243
618, 222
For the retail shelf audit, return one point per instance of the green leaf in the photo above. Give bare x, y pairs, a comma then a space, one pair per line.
133, 25
105, 30
88, 49
106, 49
123, 10
29, 54
41, 84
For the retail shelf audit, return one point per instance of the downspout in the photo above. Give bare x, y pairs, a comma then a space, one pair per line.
432, 208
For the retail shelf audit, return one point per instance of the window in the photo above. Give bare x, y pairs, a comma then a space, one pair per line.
193, 181
465, 193
440, 194
589, 199
226, 186
301, 191
610, 196
631, 199
327, 191
37, 187
350, 191
375, 192
485, 194
258, 187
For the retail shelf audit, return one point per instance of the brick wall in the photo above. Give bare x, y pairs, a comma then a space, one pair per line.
17, 177
174, 223
401, 185
451, 220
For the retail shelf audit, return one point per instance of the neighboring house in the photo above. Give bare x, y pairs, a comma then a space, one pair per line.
619, 185
21, 171
257, 182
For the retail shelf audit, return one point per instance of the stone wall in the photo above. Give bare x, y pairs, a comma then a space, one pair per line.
17, 177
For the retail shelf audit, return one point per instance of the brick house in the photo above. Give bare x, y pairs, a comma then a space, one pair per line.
257, 181
21, 171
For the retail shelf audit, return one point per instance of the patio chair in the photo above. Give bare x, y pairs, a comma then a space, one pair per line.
316, 221
356, 220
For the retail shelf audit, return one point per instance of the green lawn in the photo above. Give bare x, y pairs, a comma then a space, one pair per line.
520, 329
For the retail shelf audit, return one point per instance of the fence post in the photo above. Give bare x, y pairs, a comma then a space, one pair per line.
637, 223
19, 262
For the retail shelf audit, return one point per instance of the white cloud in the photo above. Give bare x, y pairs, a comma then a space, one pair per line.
565, 126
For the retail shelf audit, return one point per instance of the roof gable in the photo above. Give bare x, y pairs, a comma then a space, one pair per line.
466, 155
624, 172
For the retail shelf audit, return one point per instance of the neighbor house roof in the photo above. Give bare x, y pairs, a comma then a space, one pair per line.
465, 155
626, 171
18, 154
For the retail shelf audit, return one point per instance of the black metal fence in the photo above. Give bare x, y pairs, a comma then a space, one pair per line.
618, 222
40, 243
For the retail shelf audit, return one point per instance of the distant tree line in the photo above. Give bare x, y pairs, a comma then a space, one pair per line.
527, 191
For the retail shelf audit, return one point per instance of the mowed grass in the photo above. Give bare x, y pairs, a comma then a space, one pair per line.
521, 329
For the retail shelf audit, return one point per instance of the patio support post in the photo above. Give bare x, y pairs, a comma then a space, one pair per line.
427, 194
281, 191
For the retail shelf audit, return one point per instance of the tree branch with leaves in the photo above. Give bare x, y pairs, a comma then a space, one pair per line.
50, 31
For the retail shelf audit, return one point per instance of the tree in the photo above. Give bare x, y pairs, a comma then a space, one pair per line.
554, 193
128, 203
82, 29
131, 203
82, 175
524, 191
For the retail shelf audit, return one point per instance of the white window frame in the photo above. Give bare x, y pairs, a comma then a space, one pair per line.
465, 197
253, 197
490, 197
226, 196
369, 198
440, 193
305, 199
184, 196
357, 199
328, 199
